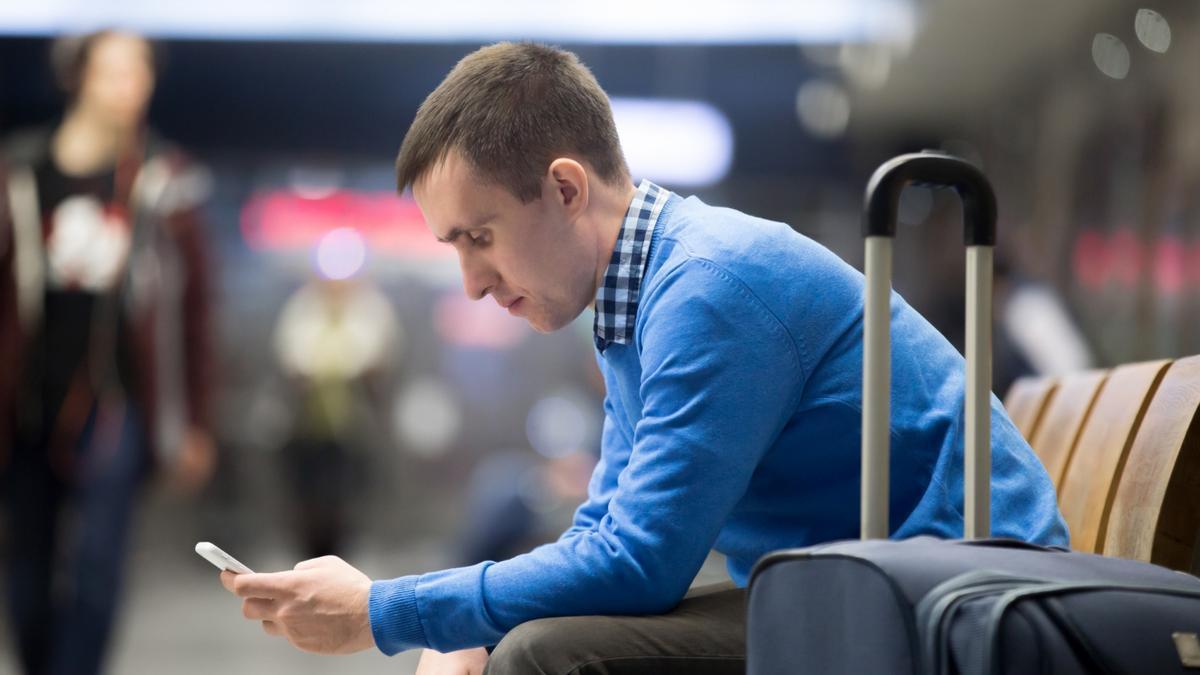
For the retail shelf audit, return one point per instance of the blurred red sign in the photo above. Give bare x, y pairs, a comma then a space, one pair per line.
282, 220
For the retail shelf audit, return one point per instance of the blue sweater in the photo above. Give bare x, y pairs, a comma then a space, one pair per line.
732, 421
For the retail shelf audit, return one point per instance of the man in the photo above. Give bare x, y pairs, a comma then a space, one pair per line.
105, 338
731, 352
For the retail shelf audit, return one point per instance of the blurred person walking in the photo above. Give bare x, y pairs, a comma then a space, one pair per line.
104, 328
335, 340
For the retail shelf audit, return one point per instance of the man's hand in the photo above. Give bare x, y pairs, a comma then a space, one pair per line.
196, 462
319, 607
464, 662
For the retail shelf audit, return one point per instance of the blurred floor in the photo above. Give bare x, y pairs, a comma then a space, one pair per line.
178, 620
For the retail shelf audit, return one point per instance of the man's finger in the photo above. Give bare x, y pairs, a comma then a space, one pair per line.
269, 585
258, 609
227, 580
271, 628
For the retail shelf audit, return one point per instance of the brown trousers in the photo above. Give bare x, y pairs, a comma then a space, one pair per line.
704, 635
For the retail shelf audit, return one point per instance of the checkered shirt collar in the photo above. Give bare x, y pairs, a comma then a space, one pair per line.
617, 298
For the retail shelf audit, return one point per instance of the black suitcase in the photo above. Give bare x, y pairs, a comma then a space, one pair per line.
966, 606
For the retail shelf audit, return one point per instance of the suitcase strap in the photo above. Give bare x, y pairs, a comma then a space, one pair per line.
937, 610
991, 654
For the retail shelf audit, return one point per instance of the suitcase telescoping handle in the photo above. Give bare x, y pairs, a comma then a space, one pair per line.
879, 227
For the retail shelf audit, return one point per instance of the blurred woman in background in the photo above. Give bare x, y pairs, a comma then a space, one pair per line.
105, 336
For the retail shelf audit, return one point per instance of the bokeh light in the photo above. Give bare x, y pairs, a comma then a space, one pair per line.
426, 418
1111, 55
341, 253
823, 108
1152, 30
560, 424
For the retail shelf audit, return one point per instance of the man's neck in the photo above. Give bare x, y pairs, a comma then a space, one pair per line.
610, 216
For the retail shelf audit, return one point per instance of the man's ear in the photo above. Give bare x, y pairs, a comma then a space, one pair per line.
567, 181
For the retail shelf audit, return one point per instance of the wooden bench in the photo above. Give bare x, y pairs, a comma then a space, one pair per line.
1026, 402
1064, 418
1089, 485
1155, 514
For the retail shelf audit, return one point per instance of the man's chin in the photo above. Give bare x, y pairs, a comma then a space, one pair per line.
544, 325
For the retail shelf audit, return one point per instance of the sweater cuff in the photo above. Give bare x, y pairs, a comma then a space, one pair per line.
395, 623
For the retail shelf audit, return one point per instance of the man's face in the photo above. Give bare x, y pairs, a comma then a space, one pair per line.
534, 259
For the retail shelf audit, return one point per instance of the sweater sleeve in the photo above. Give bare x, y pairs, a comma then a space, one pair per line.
719, 376
615, 449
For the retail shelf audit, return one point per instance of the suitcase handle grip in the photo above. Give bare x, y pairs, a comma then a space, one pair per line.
979, 224
934, 169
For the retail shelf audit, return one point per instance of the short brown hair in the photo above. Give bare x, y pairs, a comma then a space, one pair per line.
511, 109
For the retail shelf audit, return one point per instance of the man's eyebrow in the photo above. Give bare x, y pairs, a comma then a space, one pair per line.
457, 232
454, 234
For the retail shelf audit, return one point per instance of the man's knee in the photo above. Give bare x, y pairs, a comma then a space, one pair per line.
538, 647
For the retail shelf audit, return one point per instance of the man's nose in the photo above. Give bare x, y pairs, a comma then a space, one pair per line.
478, 278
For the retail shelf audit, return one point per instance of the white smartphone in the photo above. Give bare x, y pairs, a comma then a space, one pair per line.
221, 559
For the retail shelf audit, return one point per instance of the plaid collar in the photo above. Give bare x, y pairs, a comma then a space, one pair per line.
617, 298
